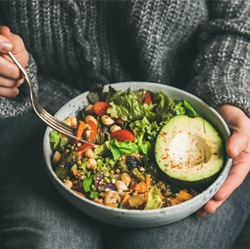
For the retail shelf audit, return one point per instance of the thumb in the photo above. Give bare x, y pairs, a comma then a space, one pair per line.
237, 143
6, 44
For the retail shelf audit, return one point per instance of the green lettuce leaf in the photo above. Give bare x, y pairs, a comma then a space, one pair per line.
57, 140
144, 130
154, 199
129, 107
184, 107
119, 149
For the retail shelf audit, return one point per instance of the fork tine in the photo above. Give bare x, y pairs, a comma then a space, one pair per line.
60, 126
55, 125
58, 122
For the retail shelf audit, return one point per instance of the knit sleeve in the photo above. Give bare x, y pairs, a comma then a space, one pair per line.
222, 68
20, 104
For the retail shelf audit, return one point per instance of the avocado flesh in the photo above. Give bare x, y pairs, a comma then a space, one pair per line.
189, 150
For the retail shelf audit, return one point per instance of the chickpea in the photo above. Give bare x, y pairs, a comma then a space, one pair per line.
115, 128
120, 185
89, 153
107, 120
125, 177
68, 184
56, 157
92, 118
89, 109
91, 163
71, 121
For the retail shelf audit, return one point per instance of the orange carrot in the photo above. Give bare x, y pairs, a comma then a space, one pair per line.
80, 129
76, 173
141, 187
183, 196
148, 181
125, 198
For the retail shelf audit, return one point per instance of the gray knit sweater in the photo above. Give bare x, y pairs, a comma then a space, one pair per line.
198, 45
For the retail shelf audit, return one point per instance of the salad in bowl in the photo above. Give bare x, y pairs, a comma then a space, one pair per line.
148, 151
154, 154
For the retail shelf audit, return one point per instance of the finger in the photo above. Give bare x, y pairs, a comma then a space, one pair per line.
201, 212
9, 92
9, 83
233, 181
211, 206
235, 178
5, 31
237, 143
5, 40
5, 46
9, 70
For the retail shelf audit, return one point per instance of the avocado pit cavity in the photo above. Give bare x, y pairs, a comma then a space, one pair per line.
188, 150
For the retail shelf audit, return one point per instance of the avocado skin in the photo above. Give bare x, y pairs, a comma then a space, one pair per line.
197, 185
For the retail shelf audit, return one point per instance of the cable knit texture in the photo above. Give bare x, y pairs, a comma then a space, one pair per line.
201, 46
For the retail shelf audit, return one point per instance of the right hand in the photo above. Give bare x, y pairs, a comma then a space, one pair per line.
10, 75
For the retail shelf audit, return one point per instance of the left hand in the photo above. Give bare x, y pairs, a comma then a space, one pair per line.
238, 148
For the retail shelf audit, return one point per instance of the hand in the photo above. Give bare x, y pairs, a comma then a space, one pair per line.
238, 148
10, 75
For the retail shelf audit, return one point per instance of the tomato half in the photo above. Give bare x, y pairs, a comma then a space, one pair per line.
83, 147
122, 135
100, 108
147, 98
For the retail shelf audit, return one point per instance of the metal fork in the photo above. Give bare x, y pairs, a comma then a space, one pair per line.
46, 117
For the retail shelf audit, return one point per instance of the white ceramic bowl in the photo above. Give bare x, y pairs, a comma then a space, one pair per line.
140, 218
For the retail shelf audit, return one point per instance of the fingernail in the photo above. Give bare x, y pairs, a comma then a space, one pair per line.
20, 82
6, 46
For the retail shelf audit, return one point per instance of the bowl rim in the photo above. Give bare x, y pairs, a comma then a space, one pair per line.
218, 181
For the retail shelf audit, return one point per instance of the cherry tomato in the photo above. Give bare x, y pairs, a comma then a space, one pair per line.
122, 135
100, 108
147, 98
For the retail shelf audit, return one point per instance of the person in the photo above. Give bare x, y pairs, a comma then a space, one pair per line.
66, 46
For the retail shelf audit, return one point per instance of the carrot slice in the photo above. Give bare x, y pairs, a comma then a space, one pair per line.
125, 198
80, 129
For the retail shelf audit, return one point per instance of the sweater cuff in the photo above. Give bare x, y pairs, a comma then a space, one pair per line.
223, 73
20, 104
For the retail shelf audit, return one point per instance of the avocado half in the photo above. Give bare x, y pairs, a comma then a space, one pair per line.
189, 151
